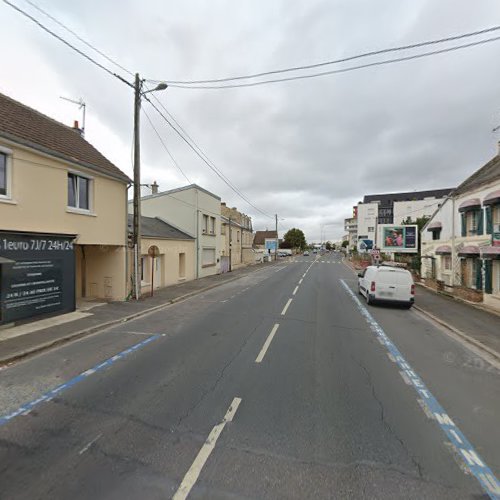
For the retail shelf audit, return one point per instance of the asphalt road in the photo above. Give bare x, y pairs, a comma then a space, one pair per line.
281, 384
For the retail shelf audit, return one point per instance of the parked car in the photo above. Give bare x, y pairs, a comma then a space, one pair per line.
387, 284
306, 254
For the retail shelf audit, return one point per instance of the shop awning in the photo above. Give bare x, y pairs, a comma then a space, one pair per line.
434, 226
443, 250
492, 198
471, 204
4, 260
469, 251
490, 252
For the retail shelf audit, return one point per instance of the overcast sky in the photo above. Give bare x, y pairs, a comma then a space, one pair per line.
307, 150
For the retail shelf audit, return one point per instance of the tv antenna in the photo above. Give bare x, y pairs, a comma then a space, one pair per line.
81, 105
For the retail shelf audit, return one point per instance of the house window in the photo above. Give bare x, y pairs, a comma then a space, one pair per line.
371, 229
3, 174
182, 265
436, 234
78, 192
446, 262
238, 236
471, 223
208, 257
212, 225
205, 224
496, 215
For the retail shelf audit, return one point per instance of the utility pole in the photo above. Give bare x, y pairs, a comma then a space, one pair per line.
137, 187
230, 245
276, 249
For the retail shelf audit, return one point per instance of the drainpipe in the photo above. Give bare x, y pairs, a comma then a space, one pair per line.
453, 249
197, 238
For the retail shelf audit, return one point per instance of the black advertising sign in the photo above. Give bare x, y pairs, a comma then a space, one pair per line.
410, 237
41, 279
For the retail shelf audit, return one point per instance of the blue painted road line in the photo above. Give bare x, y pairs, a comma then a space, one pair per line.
27, 407
473, 462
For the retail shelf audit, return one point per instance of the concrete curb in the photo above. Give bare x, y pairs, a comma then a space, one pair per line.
459, 333
108, 324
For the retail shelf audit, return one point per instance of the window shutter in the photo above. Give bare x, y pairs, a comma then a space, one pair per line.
488, 268
489, 220
479, 275
480, 218
464, 227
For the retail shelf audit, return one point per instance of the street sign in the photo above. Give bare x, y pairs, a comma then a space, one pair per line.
153, 251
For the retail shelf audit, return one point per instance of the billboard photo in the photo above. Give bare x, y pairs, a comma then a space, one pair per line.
270, 245
398, 238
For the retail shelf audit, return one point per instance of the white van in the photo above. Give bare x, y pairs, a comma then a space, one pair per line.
387, 284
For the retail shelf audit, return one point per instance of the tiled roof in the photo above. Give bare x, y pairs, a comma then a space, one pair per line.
153, 227
487, 173
26, 126
261, 236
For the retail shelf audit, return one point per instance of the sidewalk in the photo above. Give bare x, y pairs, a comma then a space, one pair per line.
472, 323
479, 326
110, 314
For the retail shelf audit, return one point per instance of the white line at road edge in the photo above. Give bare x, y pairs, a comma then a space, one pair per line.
194, 471
473, 462
27, 407
286, 307
267, 343
295, 291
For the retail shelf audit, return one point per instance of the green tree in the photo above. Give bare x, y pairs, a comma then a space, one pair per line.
295, 238
345, 244
328, 245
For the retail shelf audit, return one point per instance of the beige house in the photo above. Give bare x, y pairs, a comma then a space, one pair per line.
175, 262
461, 241
195, 211
237, 239
63, 217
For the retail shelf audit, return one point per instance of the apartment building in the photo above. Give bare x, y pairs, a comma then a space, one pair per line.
394, 208
237, 239
194, 211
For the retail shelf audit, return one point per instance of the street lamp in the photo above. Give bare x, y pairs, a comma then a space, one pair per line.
137, 179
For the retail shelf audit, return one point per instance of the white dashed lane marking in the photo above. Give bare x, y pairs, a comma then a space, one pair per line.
286, 307
194, 471
267, 343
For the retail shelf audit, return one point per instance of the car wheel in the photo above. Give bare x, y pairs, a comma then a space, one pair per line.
368, 299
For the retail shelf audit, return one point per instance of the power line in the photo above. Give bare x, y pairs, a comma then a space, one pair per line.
76, 35
165, 146
343, 70
336, 61
197, 150
65, 42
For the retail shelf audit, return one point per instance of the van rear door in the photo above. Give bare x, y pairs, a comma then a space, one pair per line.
393, 284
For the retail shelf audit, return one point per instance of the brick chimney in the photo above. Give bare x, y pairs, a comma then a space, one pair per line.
154, 187
76, 127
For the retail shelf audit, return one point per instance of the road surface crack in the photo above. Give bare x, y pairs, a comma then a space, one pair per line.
384, 420
220, 376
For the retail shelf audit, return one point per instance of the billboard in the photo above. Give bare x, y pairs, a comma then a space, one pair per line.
398, 239
270, 245
41, 277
